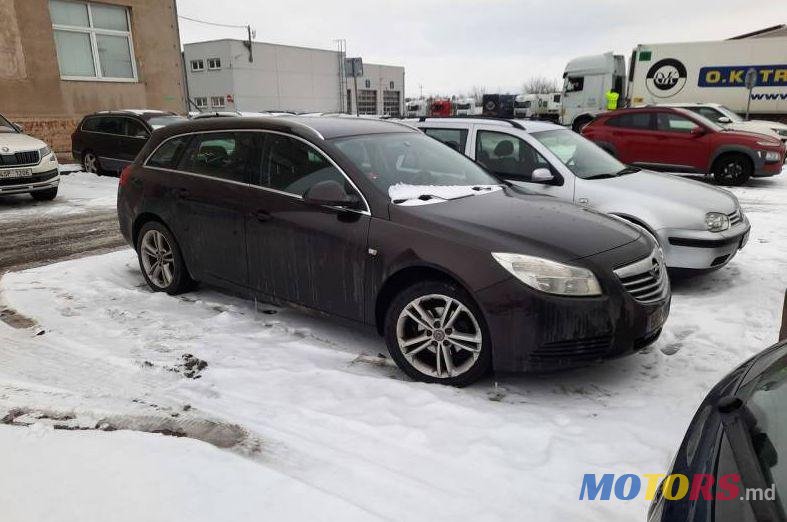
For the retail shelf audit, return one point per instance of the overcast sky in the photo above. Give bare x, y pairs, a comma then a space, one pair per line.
449, 46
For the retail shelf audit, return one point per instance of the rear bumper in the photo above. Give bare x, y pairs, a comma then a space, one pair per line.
39, 181
535, 332
703, 250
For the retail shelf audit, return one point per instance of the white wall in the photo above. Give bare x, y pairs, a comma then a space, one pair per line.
281, 77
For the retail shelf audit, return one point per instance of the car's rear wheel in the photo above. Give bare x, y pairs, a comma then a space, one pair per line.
732, 170
90, 162
161, 260
436, 333
44, 195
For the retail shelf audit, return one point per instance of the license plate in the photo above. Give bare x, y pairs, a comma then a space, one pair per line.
16, 173
657, 318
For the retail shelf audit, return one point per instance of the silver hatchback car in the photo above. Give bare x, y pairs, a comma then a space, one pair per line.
699, 227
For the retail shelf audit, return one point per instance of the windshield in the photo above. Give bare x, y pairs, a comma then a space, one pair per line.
163, 121
413, 160
6, 126
582, 157
728, 113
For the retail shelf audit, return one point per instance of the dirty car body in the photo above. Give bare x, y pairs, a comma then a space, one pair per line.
246, 233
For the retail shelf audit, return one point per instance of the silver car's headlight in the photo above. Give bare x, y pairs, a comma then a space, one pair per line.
717, 221
550, 276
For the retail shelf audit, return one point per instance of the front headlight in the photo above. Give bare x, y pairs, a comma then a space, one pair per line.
772, 155
44, 152
716, 221
780, 132
550, 276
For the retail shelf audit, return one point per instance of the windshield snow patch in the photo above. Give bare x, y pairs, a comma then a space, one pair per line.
409, 195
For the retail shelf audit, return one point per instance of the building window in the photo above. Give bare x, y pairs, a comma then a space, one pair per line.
217, 102
198, 65
391, 103
367, 101
93, 41
391, 85
367, 83
201, 102
214, 63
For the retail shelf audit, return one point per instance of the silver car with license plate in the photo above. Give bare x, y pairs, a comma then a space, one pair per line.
699, 227
27, 164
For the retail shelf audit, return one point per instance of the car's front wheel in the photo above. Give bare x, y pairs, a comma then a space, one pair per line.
436, 333
161, 260
732, 170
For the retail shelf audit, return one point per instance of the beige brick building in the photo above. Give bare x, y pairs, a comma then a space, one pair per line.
62, 59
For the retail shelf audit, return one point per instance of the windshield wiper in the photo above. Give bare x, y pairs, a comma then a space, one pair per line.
602, 176
627, 170
422, 197
741, 428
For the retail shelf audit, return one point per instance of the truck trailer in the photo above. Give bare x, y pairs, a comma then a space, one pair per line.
705, 72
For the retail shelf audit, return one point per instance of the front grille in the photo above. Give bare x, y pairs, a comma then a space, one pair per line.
646, 280
735, 218
575, 350
18, 159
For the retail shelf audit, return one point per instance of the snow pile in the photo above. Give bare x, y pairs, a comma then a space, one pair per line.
342, 431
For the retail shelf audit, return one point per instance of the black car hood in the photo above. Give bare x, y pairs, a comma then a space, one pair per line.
508, 221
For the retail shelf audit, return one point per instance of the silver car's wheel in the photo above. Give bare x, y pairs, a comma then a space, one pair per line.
439, 336
158, 260
90, 162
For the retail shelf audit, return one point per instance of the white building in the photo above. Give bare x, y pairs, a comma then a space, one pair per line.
220, 76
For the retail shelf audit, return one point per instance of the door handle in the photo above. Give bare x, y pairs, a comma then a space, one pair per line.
182, 193
261, 215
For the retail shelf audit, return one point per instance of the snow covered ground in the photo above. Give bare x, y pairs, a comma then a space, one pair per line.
334, 431
78, 192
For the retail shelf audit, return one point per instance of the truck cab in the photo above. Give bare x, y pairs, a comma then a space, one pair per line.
466, 107
525, 106
441, 108
586, 81
416, 108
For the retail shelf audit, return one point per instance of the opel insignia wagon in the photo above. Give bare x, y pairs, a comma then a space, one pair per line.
375, 223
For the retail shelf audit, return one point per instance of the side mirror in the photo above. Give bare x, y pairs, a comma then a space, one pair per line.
697, 132
542, 175
724, 119
331, 193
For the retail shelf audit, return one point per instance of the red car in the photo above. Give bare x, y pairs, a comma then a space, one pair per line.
678, 140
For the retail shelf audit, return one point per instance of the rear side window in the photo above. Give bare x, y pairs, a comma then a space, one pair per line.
454, 138
90, 124
168, 154
221, 155
632, 120
294, 167
111, 125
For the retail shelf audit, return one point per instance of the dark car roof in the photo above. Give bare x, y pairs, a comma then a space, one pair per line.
320, 127
145, 114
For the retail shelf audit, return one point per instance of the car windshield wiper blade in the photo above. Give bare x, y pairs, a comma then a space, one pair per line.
627, 170
422, 197
602, 176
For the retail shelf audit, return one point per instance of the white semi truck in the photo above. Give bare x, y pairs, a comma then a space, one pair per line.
416, 108
707, 72
466, 107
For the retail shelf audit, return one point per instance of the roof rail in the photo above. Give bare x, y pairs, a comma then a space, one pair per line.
511, 122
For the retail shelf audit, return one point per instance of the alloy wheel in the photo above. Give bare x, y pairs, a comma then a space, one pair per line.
158, 260
439, 336
90, 163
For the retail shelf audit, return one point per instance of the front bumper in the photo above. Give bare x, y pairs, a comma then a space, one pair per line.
700, 249
536, 332
38, 181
